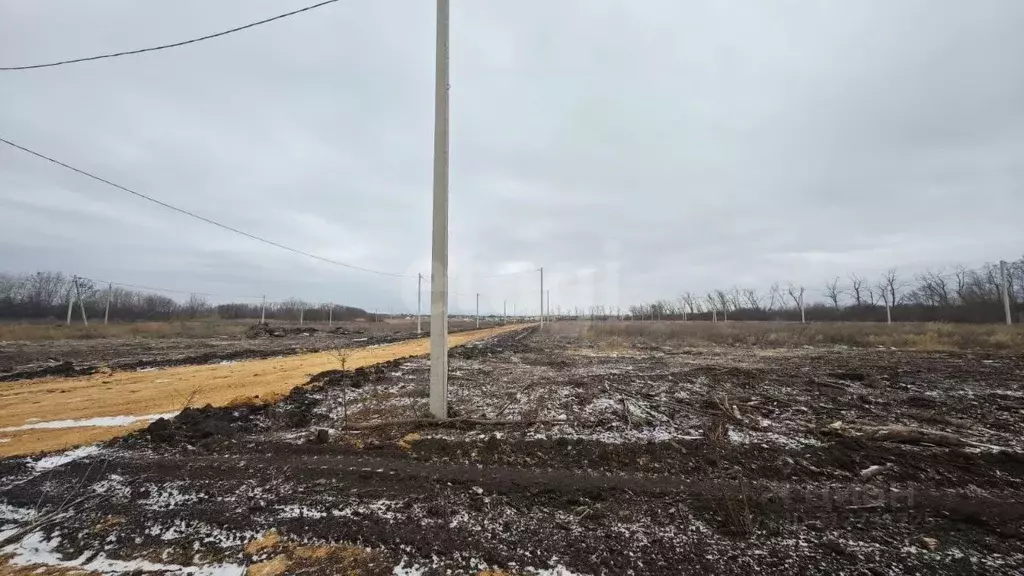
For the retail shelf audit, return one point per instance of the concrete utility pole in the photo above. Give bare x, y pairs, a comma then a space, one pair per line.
477, 309
263, 310
419, 303
71, 300
542, 297
81, 303
330, 315
106, 310
548, 309
803, 318
1006, 293
302, 315
504, 312
439, 249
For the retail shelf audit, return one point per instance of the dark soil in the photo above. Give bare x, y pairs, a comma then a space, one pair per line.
606, 461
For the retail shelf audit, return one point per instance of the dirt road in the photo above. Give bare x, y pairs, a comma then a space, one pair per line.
27, 407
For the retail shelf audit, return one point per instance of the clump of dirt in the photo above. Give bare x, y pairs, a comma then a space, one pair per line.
65, 368
261, 330
194, 425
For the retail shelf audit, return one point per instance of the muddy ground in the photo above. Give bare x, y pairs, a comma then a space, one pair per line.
565, 456
33, 359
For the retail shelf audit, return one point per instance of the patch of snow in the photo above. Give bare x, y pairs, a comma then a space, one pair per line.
50, 462
558, 570
411, 570
36, 549
8, 512
169, 496
101, 421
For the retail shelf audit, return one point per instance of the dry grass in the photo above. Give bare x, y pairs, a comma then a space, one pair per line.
185, 329
917, 336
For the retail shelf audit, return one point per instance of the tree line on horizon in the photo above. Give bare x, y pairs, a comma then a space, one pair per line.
959, 294
45, 295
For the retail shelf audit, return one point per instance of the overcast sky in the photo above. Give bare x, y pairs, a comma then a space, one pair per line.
635, 149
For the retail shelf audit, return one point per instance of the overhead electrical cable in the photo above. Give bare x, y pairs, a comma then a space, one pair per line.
166, 46
197, 216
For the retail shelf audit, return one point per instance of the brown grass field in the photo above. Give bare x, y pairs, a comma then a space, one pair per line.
910, 336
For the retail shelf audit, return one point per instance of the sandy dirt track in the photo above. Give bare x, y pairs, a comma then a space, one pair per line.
141, 393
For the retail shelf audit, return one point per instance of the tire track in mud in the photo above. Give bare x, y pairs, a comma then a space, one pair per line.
140, 393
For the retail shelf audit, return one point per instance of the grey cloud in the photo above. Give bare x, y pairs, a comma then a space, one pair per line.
634, 149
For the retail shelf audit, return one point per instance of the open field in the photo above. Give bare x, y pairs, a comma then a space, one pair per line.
577, 450
171, 345
37, 331
918, 336
89, 404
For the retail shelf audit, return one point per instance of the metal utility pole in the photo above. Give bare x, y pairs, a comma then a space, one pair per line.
263, 310
106, 310
1006, 293
419, 303
477, 309
542, 297
439, 249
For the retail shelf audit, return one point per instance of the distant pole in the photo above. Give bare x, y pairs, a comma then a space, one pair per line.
419, 303
439, 248
106, 310
81, 304
542, 297
504, 312
1006, 293
375, 316
803, 317
302, 314
477, 309
263, 310
71, 301
548, 309
330, 315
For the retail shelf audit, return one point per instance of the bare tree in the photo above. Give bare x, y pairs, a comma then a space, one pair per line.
892, 285
797, 294
736, 298
932, 289
856, 289
775, 297
752, 299
713, 306
724, 302
833, 291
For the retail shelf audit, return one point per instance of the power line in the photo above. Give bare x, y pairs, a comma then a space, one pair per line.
509, 274
197, 216
168, 290
165, 46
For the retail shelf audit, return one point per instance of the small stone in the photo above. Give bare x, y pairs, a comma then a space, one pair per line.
322, 436
929, 543
478, 490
